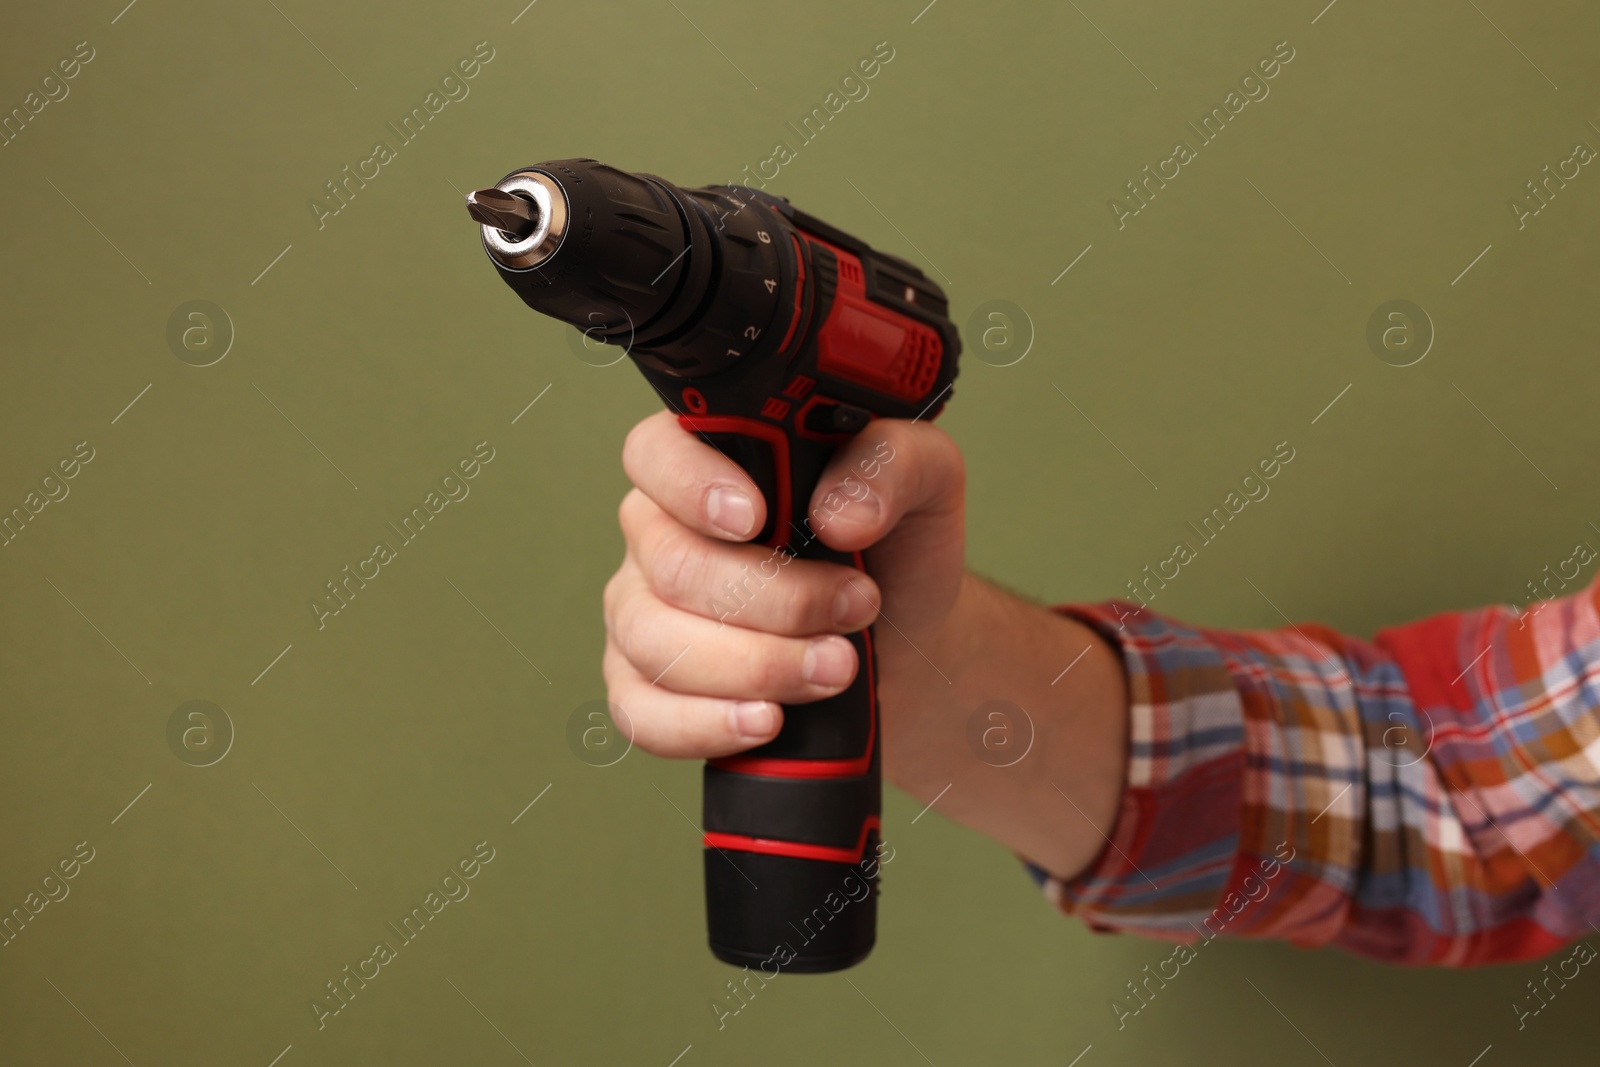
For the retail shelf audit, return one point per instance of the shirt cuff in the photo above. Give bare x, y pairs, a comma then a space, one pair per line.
1241, 809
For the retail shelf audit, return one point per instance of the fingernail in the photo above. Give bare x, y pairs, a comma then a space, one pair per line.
752, 719
854, 606
863, 511
829, 661
730, 511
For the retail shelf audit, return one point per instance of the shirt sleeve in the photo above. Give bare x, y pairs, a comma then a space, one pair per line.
1429, 797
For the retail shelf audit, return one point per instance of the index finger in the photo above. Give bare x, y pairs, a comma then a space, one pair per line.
691, 481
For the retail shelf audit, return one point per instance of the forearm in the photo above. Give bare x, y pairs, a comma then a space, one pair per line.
1044, 777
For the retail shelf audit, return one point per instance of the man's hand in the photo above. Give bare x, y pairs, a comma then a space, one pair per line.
699, 655
897, 487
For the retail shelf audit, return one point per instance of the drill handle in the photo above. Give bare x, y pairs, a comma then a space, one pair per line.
792, 827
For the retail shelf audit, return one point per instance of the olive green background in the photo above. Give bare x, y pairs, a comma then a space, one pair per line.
379, 750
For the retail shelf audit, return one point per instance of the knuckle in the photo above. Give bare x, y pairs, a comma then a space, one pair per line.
944, 483
922, 468
634, 446
897, 433
626, 509
615, 593
897, 438
626, 629
677, 566
950, 457
618, 691
808, 604
611, 602
657, 723
608, 598
611, 673
771, 670
634, 515
691, 481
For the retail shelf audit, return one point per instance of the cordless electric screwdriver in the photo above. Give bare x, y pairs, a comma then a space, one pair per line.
776, 338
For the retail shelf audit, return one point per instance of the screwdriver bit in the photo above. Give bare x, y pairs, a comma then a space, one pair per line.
505, 211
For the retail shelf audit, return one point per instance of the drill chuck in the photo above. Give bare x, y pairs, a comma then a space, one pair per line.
675, 275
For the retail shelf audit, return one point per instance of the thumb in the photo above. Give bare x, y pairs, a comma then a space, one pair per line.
898, 491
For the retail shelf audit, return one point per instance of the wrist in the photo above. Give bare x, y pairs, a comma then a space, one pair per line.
1042, 769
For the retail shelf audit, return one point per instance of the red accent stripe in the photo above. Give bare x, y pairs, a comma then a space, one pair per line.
797, 849
762, 431
799, 290
849, 767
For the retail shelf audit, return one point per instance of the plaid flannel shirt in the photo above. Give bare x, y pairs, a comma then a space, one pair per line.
1430, 797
